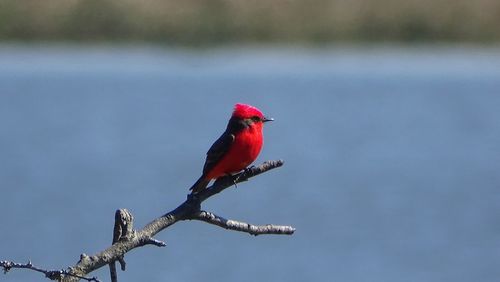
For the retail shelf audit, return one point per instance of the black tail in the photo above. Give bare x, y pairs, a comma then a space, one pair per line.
199, 185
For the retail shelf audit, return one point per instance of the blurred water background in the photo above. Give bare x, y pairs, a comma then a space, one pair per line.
391, 172
387, 116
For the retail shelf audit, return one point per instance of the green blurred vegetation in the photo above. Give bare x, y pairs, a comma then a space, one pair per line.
198, 22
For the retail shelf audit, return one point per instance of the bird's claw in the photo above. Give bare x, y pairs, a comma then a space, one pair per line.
235, 180
248, 169
245, 172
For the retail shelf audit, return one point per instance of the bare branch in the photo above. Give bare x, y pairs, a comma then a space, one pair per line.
242, 226
125, 238
51, 274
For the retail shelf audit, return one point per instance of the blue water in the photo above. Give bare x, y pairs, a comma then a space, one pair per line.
391, 173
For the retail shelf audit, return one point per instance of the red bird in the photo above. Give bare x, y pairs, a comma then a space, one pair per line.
236, 148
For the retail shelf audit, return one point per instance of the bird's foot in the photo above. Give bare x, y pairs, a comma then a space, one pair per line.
245, 172
248, 169
235, 180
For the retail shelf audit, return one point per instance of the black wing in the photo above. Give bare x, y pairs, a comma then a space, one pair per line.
218, 150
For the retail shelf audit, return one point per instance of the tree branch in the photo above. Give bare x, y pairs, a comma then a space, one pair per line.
126, 239
50, 274
242, 226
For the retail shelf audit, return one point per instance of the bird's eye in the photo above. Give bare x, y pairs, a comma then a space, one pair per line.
256, 118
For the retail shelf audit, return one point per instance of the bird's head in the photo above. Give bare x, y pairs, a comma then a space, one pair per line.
249, 113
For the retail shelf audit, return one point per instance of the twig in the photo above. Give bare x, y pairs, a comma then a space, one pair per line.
51, 274
242, 226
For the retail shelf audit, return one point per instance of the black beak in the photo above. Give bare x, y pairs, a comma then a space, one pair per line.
266, 119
